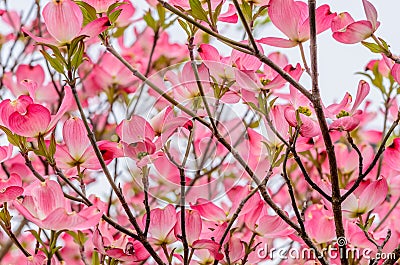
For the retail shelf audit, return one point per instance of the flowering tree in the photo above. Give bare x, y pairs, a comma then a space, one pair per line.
123, 147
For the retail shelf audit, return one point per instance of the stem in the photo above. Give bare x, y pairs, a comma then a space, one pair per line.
14, 239
246, 26
330, 150
145, 181
198, 82
303, 57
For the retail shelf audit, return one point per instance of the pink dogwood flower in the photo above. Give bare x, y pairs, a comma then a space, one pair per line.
121, 248
291, 18
26, 118
44, 204
64, 22
344, 117
348, 31
10, 188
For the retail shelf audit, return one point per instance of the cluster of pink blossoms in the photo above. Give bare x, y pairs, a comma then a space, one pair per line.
122, 145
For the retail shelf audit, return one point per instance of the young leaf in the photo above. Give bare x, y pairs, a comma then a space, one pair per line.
373, 47
197, 10
54, 62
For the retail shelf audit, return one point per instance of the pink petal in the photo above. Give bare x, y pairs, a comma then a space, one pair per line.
30, 72
135, 129
341, 21
392, 155
47, 196
355, 32
371, 14
10, 193
396, 72
278, 42
63, 20
347, 123
229, 16
374, 194
162, 222
95, 27
362, 93
210, 245
32, 123
66, 104
286, 15
49, 40
208, 52
323, 22
209, 210
75, 137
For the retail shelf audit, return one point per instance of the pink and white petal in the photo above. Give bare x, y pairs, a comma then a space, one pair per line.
48, 196
211, 246
371, 14
63, 20
273, 226
286, 15
347, 123
13, 180
341, 21
323, 22
392, 155
32, 123
75, 137
209, 210
135, 129
162, 222
374, 194
66, 105
10, 193
396, 72
362, 93
59, 219
95, 27
354, 33
278, 42
50, 40
229, 16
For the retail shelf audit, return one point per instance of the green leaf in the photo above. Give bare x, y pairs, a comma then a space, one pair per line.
150, 21
52, 146
184, 26
88, 11
217, 11
95, 258
247, 11
55, 50
385, 45
77, 58
54, 62
114, 15
197, 10
373, 47
114, 6
11, 137
161, 13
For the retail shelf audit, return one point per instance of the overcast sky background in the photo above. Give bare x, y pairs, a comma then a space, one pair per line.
337, 62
